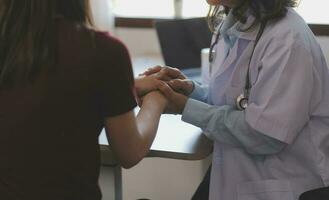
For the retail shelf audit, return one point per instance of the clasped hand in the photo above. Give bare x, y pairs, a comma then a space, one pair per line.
170, 82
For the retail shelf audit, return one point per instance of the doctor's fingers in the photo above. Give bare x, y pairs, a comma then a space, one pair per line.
170, 73
151, 70
176, 101
166, 90
182, 86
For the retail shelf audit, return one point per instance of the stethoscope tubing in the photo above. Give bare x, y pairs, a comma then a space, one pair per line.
242, 99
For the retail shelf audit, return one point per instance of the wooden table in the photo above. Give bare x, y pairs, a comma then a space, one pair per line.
175, 139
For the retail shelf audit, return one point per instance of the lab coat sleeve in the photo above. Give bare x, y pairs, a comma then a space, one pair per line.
200, 92
227, 125
280, 99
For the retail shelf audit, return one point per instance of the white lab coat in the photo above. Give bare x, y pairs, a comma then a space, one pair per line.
289, 101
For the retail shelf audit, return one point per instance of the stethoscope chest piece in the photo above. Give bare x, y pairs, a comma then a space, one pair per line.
241, 102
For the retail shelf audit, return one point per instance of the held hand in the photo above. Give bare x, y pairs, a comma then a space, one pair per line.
145, 84
176, 101
155, 97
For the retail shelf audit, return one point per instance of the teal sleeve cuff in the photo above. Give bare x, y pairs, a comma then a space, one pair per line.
193, 112
200, 92
226, 125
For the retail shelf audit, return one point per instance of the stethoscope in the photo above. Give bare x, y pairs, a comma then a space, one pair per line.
243, 99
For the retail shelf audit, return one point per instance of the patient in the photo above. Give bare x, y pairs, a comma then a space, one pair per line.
61, 82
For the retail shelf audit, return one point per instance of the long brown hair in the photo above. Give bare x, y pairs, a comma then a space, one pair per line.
262, 10
27, 35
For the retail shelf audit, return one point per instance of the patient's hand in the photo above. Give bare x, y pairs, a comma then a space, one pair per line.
146, 84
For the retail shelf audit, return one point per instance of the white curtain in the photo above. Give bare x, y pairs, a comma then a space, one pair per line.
102, 14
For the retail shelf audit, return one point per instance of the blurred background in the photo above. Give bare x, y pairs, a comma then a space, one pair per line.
134, 19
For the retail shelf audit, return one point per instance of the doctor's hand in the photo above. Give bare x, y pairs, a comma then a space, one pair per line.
174, 77
184, 87
164, 73
176, 101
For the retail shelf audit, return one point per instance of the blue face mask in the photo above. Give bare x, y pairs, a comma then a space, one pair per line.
230, 40
227, 24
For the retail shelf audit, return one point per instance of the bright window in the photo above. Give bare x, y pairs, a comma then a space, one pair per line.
159, 8
195, 8
144, 8
313, 11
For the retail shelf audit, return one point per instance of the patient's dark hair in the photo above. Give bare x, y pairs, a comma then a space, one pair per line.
262, 10
27, 35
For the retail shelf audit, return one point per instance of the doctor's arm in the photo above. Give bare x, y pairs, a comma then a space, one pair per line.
223, 124
228, 125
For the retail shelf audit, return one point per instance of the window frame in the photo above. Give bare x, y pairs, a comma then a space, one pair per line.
128, 22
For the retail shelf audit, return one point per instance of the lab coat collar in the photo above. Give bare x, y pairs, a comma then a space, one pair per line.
250, 34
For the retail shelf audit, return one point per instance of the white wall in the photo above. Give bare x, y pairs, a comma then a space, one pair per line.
102, 17
163, 179
139, 41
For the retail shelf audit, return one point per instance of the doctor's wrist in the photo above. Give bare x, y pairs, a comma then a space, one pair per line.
192, 88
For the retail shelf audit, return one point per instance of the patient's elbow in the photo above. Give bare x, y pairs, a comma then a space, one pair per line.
127, 164
130, 160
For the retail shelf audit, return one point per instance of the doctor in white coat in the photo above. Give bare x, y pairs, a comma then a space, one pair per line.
266, 106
